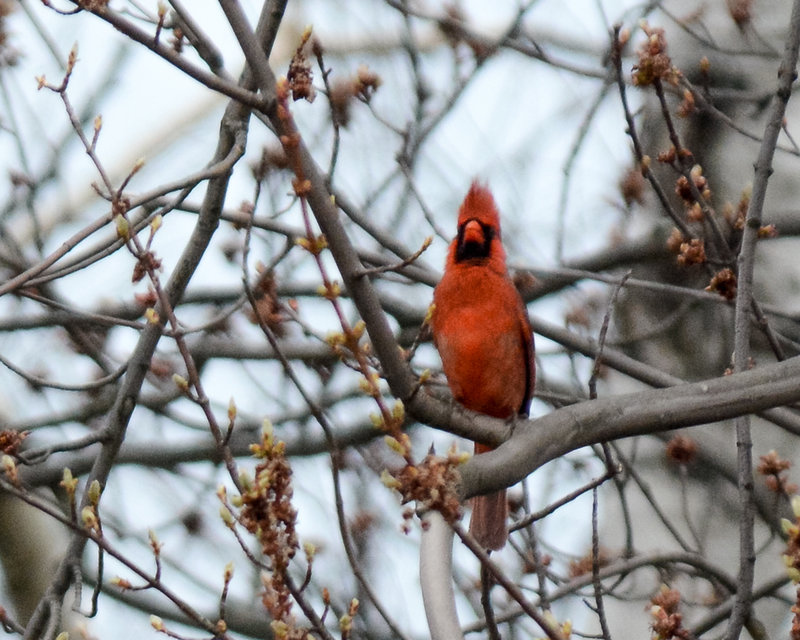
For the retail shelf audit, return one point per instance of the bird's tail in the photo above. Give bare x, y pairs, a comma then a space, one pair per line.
489, 521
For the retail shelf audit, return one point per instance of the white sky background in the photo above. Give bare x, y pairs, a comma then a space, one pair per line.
518, 119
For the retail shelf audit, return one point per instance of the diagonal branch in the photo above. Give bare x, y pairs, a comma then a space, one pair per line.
221, 83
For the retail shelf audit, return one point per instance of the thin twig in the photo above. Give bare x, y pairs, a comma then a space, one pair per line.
39, 382
400, 265
570, 497
232, 134
549, 628
641, 158
103, 544
682, 165
601, 341
596, 582
487, 581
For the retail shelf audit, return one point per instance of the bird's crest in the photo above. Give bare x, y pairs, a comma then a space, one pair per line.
479, 205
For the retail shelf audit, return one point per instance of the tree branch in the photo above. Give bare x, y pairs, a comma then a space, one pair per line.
536, 442
744, 301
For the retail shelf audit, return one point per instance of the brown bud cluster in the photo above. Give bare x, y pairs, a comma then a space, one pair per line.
361, 86
695, 213
654, 63
452, 26
631, 187
147, 263
684, 188
774, 469
161, 368
299, 74
768, 231
578, 315
668, 156
146, 300
667, 621
268, 513
687, 105
585, 565
340, 98
120, 206
741, 11
675, 240
272, 158
737, 217
268, 308
432, 484
724, 283
11, 440
366, 83
692, 252
681, 449
267, 504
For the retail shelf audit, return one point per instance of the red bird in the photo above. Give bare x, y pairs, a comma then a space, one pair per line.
481, 330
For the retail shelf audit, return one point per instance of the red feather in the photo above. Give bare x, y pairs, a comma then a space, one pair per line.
481, 329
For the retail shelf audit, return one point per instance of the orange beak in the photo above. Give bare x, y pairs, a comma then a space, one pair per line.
473, 233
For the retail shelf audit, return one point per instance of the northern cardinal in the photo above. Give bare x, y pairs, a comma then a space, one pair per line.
481, 330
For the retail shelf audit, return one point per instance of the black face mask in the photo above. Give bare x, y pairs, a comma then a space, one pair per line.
473, 250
